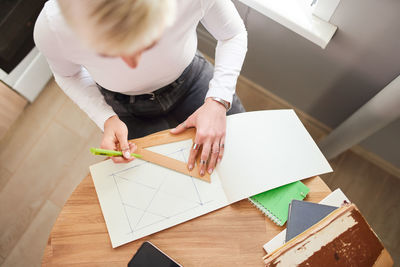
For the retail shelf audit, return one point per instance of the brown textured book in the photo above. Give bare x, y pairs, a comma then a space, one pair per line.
343, 238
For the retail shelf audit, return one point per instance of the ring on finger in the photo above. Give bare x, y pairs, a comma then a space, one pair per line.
215, 151
196, 147
222, 145
202, 161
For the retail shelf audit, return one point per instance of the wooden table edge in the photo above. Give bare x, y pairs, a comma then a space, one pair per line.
313, 196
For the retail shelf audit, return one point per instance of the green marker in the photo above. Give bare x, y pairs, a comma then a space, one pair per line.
110, 153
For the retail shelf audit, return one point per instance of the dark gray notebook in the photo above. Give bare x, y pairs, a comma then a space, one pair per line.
303, 215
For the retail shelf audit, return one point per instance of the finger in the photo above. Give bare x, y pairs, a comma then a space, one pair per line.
108, 143
214, 157
183, 126
119, 160
221, 149
204, 157
122, 137
179, 129
132, 149
122, 159
193, 154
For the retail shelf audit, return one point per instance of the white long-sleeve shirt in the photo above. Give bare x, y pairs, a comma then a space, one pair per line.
77, 69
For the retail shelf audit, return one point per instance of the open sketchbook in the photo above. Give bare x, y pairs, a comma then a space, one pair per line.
263, 150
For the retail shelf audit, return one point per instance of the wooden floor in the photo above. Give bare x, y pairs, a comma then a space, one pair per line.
45, 155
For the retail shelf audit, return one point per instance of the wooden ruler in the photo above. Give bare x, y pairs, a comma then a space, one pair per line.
165, 137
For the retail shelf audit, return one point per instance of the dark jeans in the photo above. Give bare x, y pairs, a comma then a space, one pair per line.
168, 106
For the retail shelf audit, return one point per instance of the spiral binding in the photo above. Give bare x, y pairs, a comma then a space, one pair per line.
265, 211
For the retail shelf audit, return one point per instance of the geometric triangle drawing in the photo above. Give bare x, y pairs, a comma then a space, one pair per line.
140, 198
161, 196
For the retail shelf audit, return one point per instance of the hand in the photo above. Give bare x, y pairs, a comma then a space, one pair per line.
210, 123
115, 137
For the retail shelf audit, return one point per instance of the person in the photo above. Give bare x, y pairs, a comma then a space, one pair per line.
134, 68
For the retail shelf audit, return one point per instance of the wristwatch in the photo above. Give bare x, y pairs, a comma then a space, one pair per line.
226, 104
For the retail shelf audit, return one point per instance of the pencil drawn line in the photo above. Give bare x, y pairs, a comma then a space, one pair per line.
134, 207
127, 169
151, 224
167, 218
183, 156
178, 196
120, 198
197, 191
181, 212
176, 214
136, 182
157, 192
149, 204
126, 179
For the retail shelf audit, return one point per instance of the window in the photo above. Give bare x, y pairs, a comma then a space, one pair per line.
308, 18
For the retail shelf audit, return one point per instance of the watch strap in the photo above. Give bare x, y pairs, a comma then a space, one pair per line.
226, 104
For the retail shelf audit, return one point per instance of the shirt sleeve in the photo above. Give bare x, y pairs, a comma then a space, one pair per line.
72, 78
222, 20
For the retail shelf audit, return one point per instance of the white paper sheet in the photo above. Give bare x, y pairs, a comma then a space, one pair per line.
140, 198
263, 150
267, 149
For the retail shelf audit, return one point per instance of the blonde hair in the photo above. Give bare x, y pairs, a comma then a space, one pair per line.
118, 27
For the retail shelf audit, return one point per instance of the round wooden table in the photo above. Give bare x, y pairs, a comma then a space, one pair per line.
231, 236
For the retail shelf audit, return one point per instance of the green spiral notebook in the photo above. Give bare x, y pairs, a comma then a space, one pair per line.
275, 202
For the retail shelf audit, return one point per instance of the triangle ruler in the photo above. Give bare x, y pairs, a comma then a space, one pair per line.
165, 137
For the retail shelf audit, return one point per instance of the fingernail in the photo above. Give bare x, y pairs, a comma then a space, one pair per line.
210, 170
127, 154
201, 173
190, 167
218, 160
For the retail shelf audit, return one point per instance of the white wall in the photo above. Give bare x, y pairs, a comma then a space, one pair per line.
330, 84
